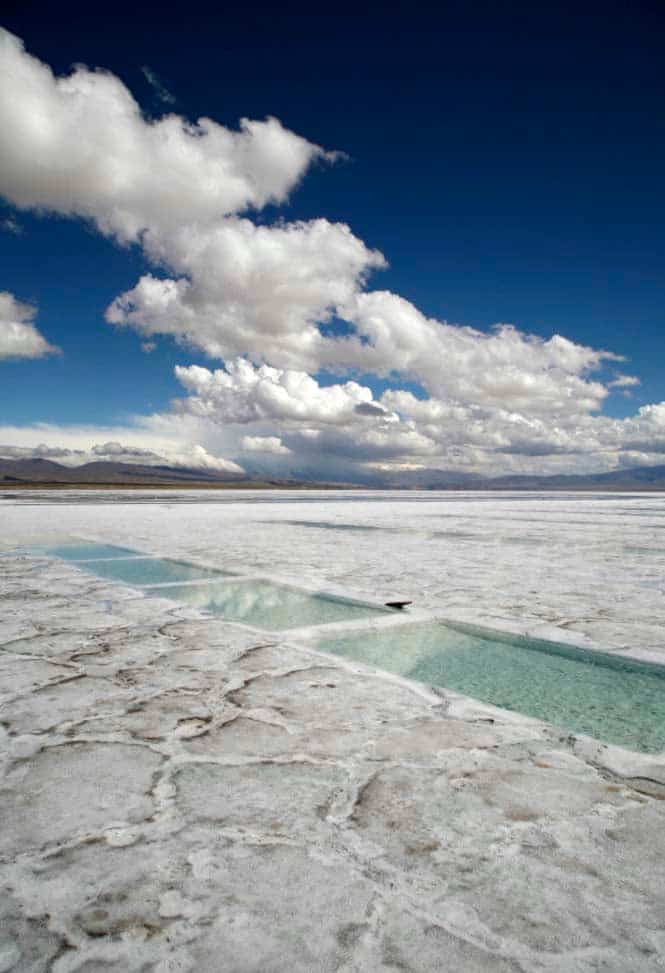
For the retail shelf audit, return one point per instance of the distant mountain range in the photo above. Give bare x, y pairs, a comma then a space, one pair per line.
635, 478
26, 472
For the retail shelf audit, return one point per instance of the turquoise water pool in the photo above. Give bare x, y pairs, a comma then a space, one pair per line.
255, 602
267, 605
612, 699
148, 571
89, 551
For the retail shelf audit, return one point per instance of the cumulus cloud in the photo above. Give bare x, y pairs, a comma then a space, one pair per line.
344, 422
41, 451
375, 409
264, 444
79, 145
151, 442
118, 451
243, 393
360, 447
197, 457
342, 419
189, 456
233, 287
259, 296
248, 289
623, 381
504, 368
266, 291
19, 338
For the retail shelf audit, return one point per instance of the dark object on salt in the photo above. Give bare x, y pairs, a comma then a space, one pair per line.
397, 604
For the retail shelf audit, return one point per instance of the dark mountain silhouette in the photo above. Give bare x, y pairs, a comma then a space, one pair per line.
25, 472
20, 471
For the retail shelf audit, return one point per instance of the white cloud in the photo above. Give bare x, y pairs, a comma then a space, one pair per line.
256, 297
183, 455
116, 451
80, 146
41, 451
355, 445
264, 291
197, 457
75, 445
244, 393
505, 368
158, 86
341, 419
368, 443
624, 383
19, 338
248, 289
264, 444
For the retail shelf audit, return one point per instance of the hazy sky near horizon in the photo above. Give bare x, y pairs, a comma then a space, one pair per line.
334, 244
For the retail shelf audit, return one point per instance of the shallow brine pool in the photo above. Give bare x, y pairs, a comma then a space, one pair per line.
267, 605
259, 603
612, 699
89, 551
607, 697
148, 571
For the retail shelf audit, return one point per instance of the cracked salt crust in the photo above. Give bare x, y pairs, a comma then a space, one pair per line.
184, 793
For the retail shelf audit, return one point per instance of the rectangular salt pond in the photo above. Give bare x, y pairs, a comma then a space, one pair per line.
148, 571
90, 552
267, 605
258, 603
609, 698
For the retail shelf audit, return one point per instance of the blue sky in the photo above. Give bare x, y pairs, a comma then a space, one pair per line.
507, 162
